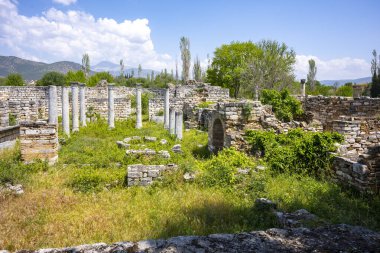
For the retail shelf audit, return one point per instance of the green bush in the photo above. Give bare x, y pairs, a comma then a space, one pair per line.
96, 78
295, 152
221, 169
94, 180
12, 119
14, 79
205, 104
285, 107
345, 91
52, 78
13, 171
144, 102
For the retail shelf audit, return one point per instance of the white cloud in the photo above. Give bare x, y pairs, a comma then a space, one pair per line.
340, 68
65, 2
56, 35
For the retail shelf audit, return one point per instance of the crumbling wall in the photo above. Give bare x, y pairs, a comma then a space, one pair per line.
39, 140
8, 136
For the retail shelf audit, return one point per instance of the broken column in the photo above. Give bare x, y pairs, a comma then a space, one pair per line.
138, 107
111, 106
53, 115
171, 121
178, 125
65, 110
82, 104
303, 87
75, 109
166, 109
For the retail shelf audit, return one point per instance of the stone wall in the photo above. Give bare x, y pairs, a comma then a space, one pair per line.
143, 175
4, 114
8, 136
328, 109
39, 140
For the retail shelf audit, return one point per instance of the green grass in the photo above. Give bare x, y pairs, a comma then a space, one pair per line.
83, 199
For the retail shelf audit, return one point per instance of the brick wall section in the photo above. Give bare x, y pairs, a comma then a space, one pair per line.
39, 140
144, 175
4, 114
328, 109
9, 135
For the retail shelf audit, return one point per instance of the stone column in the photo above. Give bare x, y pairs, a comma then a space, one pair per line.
166, 109
53, 115
111, 106
178, 125
82, 104
303, 87
171, 121
65, 110
75, 109
138, 107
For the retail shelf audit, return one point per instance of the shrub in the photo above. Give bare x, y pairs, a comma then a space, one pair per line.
144, 102
345, 91
285, 107
12, 119
94, 180
296, 152
221, 169
14, 79
205, 104
96, 78
52, 78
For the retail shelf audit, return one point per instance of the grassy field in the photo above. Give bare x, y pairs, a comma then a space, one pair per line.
83, 198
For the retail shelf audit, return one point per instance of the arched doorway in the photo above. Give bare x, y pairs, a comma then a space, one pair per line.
217, 136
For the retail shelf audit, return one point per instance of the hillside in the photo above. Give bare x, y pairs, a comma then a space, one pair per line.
343, 81
31, 70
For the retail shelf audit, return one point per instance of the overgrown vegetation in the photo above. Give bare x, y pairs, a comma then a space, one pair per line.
298, 152
285, 107
83, 199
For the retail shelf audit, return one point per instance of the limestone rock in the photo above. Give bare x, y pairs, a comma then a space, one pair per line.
266, 204
150, 138
177, 148
189, 176
164, 154
13, 189
163, 142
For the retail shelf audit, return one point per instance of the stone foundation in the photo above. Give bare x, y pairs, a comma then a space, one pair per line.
8, 136
144, 175
39, 140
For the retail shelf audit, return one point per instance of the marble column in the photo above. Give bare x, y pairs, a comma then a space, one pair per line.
138, 108
74, 107
111, 106
171, 121
178, 125
53, 115
82, 104
166, 109
65, 110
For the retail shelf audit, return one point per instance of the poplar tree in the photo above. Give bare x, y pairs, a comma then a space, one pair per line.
312, 73
184, 46
86, 64
197, 70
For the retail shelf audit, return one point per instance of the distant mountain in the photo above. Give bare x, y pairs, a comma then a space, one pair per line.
31, 70
114, 69
342, 82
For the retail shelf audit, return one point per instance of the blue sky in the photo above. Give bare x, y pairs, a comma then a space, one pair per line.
339, 34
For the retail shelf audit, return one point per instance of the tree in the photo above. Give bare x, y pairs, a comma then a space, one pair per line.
77, 76
95, 79
229, 63
14, 79
311, 75
121, 67
375, 70
336, 86
197, 70
176, 70
139, 70
277, 63
52, 78
132, 73
184, 46
86, 65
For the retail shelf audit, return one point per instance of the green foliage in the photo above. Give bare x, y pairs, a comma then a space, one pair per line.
95, 180
78, 76
13, 171
222, 168
12, 119
14, 79
144, 102
297, 151
52, 78
184, 46
229, 64
97, 77
345, 91
285, 107
205, 104
2, 81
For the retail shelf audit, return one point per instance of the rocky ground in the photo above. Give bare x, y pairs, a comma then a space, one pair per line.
332, 238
